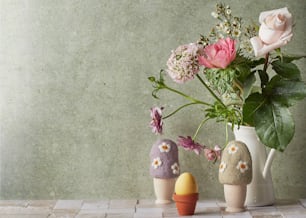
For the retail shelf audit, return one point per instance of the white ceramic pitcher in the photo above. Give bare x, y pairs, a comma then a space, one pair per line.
260, 191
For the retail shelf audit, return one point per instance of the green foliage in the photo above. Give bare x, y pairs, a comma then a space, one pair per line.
268, 110
285, 92
290, 58
157, 83
220, 80
222, 113
274, 125
286, 70
251, 105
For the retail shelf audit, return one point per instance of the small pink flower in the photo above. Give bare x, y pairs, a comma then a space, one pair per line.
156, 122
212, 154
188, 144
218, 151
219, 55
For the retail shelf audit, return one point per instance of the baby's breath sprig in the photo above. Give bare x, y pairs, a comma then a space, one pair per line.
245, 45
228, 26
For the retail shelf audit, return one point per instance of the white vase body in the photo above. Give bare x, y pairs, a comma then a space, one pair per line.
260, 191
164, 189
234, 197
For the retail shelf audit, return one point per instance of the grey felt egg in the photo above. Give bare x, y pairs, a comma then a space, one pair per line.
236, 164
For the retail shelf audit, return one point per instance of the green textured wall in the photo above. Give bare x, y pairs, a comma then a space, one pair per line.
75, 97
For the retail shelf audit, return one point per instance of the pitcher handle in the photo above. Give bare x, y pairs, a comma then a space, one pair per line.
268, 163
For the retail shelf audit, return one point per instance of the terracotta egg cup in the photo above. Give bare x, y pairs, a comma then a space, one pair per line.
186, 194
186, 204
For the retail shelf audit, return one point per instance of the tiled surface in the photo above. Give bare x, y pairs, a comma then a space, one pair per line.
133, 208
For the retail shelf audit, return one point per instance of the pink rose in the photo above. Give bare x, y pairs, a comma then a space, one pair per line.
219, 55
275, 31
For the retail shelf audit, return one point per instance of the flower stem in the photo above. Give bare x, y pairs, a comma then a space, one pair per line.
187, 96
264, 78
199, 127
266, 63
226, 133
211, 92
178, 109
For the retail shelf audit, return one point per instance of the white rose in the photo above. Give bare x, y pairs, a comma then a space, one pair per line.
275, 31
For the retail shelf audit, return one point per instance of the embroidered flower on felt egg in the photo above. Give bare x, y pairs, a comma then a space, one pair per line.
222, 167
164, 147
175, 168
242, 166
232, 149
156, 163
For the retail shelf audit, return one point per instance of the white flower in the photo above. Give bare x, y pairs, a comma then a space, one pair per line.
242, 166
175, 168
222, 167
164, 147
220, 36
156, 163
236, 33
232, 149
214, 14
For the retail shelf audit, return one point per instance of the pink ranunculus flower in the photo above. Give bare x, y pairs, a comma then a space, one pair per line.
156, 122
275, 31
219, 54
183, 63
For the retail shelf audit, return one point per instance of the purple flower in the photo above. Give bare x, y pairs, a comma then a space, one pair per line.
189, 144
156, 122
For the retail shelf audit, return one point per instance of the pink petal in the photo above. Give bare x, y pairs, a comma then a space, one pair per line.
221, 60
205, 62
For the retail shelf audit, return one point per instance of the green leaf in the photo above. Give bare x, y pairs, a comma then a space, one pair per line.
248, 85
274, 125
256, 63
285, 92
151, 78
290, 58
287, 70
223, 113
243, 70
264, 77
251, 105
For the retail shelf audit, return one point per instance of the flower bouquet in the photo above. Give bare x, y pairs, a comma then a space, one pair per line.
252, 81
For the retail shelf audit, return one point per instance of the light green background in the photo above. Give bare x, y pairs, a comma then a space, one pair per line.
75, 97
